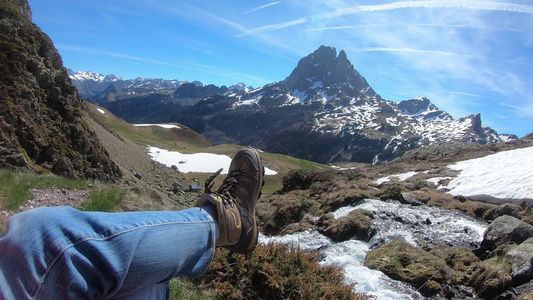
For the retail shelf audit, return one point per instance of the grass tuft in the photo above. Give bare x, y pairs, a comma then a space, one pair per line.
106, 199
15, 187
184, 288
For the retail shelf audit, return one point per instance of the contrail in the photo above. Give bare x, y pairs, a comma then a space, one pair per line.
260, 7
479, 5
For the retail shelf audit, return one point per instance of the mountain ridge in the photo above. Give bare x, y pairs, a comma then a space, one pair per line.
325, 101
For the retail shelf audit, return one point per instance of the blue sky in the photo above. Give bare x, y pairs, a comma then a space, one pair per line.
466, 56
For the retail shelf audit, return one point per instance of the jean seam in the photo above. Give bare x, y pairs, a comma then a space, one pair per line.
85, 239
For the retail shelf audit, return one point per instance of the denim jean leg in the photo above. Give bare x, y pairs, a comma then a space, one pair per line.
62, 253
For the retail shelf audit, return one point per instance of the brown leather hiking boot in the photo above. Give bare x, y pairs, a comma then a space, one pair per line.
235, 201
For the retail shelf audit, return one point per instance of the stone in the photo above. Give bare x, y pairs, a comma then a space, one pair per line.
505, 230
521, 259
408, 198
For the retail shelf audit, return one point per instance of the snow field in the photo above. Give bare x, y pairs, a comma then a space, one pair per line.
506, 176
196, 162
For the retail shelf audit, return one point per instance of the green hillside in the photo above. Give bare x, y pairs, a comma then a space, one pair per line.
185, 140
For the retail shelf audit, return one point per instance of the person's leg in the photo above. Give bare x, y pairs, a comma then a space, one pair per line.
52, 253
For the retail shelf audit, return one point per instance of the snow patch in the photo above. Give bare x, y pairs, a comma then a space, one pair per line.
196, 162
168, 126
500, 177
401, 177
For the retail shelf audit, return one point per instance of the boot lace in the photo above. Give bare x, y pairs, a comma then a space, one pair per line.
228, 190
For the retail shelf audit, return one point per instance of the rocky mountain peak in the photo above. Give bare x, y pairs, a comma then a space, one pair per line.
323, 68
416, 106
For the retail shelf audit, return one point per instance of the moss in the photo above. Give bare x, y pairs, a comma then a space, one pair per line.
391, 192
401, 261
356, 225
490, 277
274, 212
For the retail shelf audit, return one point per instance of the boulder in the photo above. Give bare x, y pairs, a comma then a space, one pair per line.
503, 209
357, 224
505, 230
521, 259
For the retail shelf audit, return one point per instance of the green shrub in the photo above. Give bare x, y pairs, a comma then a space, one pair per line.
275, 271
104, 199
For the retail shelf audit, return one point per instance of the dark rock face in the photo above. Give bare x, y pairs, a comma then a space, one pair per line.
193, 91
324, 66
42, 123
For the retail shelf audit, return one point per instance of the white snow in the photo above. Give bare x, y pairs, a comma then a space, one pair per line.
401, 177
502, 177
100, 111
196, 162
168, 126
498, 178
82, 76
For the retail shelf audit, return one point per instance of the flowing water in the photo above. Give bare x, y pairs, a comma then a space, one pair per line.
421, 226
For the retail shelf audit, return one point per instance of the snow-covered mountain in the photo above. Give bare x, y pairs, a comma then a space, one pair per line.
98, 88
323, 111
346, 106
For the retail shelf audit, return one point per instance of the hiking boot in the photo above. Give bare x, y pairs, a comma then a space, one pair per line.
235, 201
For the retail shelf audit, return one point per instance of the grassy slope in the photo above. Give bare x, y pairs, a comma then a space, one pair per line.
186, 140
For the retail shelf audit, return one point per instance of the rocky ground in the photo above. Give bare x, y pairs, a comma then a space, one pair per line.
307, 199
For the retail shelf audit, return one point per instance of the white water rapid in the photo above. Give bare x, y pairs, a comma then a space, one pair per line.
420, 226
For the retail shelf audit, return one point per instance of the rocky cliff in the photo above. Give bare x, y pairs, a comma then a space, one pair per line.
42, 117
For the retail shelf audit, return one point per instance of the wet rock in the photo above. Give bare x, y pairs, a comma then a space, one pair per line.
521, 259
505, 230
504, 209
458, 292
306, 223
524, 291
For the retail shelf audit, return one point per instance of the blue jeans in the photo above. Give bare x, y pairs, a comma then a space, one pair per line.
63, 253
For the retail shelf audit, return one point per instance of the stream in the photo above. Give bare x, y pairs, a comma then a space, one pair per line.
420, 226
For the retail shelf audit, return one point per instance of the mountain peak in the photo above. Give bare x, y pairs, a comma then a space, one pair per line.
324, 68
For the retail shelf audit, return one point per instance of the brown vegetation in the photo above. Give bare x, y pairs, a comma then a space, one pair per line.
275, 271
